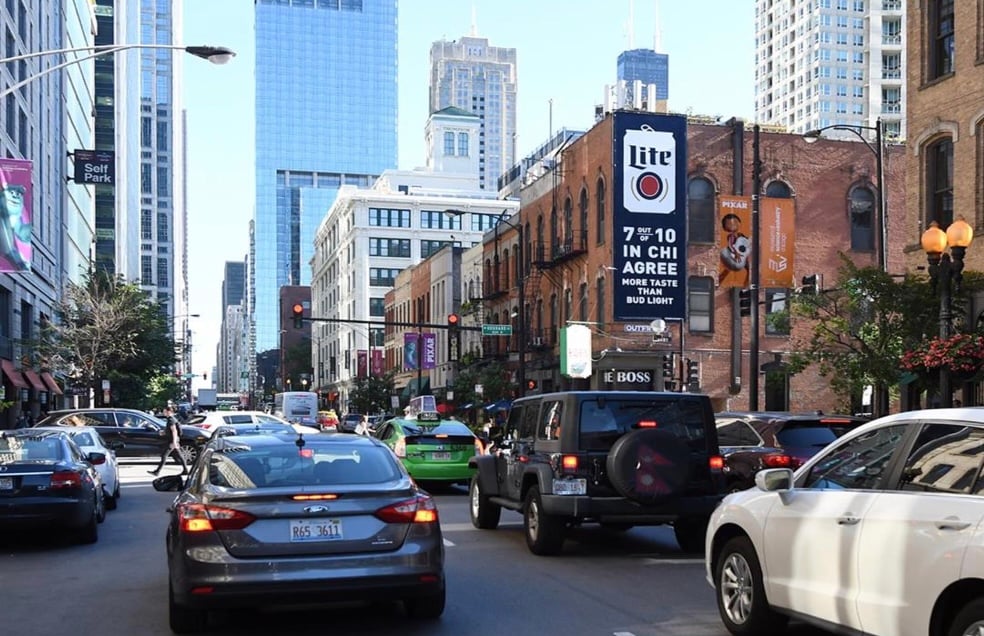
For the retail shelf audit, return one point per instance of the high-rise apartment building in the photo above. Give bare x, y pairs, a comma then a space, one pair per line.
233, 284
474, 76
830, 62
326, 106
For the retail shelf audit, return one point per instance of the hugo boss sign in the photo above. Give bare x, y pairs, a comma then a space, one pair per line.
95, 166
629, 377
650, 220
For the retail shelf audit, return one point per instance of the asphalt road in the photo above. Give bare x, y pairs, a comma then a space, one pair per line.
634, 583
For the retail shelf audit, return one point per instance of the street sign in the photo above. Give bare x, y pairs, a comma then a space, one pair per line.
662, 338
496, 330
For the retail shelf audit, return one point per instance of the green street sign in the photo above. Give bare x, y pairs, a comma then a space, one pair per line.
496, 330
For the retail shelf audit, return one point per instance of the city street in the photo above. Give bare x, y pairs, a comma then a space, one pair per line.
634, 583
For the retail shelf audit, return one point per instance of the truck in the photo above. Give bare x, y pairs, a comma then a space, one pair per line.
207, 399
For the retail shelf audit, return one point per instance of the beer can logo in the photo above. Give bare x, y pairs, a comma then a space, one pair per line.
649, 171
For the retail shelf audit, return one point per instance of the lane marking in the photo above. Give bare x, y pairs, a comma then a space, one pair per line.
623, 634
668, 561
448, 543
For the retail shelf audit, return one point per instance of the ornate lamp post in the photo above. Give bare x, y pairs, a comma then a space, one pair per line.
946, 273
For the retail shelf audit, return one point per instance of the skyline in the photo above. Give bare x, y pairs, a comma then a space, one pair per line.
560, 81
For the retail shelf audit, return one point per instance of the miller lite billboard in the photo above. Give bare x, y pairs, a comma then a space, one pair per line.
650, 216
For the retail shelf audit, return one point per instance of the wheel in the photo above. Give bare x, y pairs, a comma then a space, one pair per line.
690, 533
89, 533
484, 514
109, 502
117, 493
431, 606
544, 533
741, 593
649, 465
184, 620
189, 452
969, 621
100, 506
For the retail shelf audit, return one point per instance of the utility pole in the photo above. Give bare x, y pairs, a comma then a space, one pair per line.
753, 353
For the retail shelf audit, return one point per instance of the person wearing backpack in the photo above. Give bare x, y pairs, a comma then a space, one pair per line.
173, 449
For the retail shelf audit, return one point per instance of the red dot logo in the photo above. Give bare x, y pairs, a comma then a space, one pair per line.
650, 186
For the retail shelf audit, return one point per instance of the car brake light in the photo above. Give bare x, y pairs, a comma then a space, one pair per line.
400, 448
306, 453
194, 517
330, 497
569, 462
716, 462
778, 461
441, 435
65, 479
648, 424
420, 509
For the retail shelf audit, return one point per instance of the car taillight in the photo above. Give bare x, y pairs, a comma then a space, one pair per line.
400, 448
65, 479
569, 463
195, 517
716, 462
648, 424
778, 461
420, 509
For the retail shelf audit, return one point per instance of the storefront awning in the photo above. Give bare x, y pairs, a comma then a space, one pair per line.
35, 380
15, 376
51, 384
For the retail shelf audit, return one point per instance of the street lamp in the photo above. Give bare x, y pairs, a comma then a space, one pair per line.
881, 202
521, 283
214, 54
946, 269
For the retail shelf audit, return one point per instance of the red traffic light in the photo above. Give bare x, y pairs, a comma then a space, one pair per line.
298, 309
454, 320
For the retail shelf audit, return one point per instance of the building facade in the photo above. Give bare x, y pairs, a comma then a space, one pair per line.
325, 117
478, 78
831, 62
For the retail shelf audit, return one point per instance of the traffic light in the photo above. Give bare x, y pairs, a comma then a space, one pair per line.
812, 284
745, 302
693, 374
668, 366
454, 337
298, 310
531, 385
454, 321
204, 376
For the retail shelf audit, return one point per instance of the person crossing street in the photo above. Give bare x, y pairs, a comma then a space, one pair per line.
173, 449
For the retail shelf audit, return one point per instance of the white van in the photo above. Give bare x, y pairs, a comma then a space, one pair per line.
297, 407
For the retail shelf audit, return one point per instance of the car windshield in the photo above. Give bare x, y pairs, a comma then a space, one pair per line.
22, 447
247, 467
603, 421
805, 435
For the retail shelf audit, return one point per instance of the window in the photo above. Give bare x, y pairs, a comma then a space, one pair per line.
582, 208
146, 179
701, 302
430, 247
858, 463
862, 219
700, 202
146, 270
777, 312
146, 225
778, 190
941, 38
483, 222
939, 183
382, 276
449, 144
600, 319
550, 428
377, 306
737, 433
600, 205
583, 300
163, 233
434, 220
385, 217
163, 273
945, 458
462, 144
399, 248
146, 134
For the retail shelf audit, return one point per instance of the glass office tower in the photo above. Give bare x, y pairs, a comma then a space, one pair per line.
648, 67
326, 107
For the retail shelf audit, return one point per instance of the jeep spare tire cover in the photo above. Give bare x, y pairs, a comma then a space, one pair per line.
649, 465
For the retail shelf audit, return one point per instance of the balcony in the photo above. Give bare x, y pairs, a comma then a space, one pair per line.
890, 39
891, 5
560, 250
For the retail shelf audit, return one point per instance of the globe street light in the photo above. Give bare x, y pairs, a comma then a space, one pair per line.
946, 273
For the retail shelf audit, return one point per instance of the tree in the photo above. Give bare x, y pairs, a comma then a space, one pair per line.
862, 326
490, 375
109, 329
372, 394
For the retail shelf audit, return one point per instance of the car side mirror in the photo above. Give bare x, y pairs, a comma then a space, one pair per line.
96, 458
168, 483
774, 480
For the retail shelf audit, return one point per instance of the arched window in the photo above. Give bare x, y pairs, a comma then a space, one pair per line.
489, 278
700, 205
505, 269
517, 266
583, 300
529, 250
778, 190
540, 256
862, 214
568, 221
939, 183
568, 304
553, 234
600, 210
600, 319
554, 318
582, 208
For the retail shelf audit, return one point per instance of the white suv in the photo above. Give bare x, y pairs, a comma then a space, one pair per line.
211, 420
882, 532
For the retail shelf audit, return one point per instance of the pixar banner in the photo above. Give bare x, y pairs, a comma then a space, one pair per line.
650, 216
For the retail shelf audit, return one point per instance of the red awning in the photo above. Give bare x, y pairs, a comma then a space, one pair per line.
13, 374
35, 380
50, 382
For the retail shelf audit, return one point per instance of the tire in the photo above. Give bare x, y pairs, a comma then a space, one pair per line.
189, 452
100, 506
649, 466
544, 533
425, 607
89, 533
184, 620
690, 533
109, 501
484, 514
969, 621
740, 592
118, 492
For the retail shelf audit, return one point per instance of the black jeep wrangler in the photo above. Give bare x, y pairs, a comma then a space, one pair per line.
619, 458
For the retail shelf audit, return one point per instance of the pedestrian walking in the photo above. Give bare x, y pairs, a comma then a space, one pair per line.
173, 449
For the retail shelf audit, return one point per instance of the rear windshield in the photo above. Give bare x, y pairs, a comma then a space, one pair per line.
245, 467
807, 434
22, 447
84, 439
604, 421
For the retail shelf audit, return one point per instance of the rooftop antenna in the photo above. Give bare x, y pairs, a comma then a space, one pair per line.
474, 22
658, 34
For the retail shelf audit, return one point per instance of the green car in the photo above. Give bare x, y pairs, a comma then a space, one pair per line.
432, 451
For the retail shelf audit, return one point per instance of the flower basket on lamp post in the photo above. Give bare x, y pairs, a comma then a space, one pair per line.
962, 354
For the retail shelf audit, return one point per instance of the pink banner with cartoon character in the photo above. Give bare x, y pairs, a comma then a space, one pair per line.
16, 222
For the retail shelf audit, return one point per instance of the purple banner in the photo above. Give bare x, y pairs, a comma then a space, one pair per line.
362, 363
15, 226
410, 357
430, 350
377, 362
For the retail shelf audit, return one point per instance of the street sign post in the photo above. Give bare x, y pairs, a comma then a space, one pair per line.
496, 330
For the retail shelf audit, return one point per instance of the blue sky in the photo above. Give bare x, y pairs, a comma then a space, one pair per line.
566, 50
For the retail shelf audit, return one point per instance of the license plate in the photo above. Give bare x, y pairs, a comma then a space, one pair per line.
441, 457
6, 483
303, 530
570, 486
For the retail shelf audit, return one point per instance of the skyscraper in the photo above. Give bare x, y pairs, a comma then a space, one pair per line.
326, 105
481, 79
831, 62
647, 66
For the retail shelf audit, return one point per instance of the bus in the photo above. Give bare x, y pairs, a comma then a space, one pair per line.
228, 402
297, 407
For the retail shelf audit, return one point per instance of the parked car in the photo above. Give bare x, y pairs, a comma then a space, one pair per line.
89, 440
887, 521
349, 422
209, 421
141, 434
349, 524
745, 453
46, 481
433, 451
618, 458
799, 435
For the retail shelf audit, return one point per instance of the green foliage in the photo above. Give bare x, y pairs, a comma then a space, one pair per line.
491, 375
372, 394
164, 387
